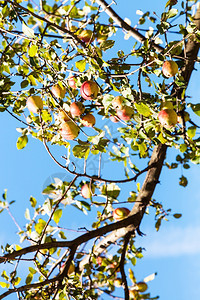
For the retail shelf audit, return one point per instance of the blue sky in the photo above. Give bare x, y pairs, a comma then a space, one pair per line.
173, 252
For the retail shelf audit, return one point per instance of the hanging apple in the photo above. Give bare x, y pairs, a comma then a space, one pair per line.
34, 104
169, 68
69, 130
77, 109
167, 117
58, 91
120, 213
88, 120
89, 90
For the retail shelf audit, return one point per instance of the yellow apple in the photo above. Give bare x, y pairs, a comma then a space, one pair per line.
69, 130
169, 68
34, 103
58, 91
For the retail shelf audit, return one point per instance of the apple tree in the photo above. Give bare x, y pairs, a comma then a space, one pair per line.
72, 84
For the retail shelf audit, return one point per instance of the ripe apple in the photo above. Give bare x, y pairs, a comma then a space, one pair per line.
69, 130
167, 117
184, 115
77, 109
34, 104
114, 119
71, 82
86, 36
120, 213
88, 120
118, 101
169, 68
89, 90
125, 113
87, 190
141, 286
58, 91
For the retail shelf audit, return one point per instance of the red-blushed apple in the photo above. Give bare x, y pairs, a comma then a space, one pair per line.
87, 190
77, 109
141, 286
89, 90
125, 113
114, 119
58, 91
86, 36
88, 120
120, 213
118, 102
34, 104
69, 130
167, 117
72, 82
169, 68
183, 115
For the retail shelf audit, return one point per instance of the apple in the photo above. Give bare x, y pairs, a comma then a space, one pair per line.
89, 90
63, 116
182, 115
118, 101
88, 120
120, 213
77, 109
71, 82
141, 286
69, 130
87, 190
125, 113
86, 36
34, 104
169, 68
58, 91
114, 119
168, 117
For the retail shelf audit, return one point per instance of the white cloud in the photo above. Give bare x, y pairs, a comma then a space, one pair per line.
172, 241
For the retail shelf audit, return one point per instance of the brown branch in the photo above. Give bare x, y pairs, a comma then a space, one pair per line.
119, 21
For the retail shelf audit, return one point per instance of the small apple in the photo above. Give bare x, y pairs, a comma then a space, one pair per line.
86, 36
141, 286
58, 91
118, 101
114, 119
87, 190
34, 104
169, 68
167, 117
120, 213
71, 82
183, 115
88, 120
89, 90
69, 130
125, 113
77, 109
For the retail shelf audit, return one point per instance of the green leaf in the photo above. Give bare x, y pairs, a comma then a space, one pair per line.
191, 131
29, 278
4, 284
196, 108
183, 181
40, 226
107, 45
28, 31
22, 141
33, 50
32, 271
81, 151
172, 13
57, 215
177, 216
112, 190
143, 109
81, 64
87, 206
33, 201
107, 100
62, 235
